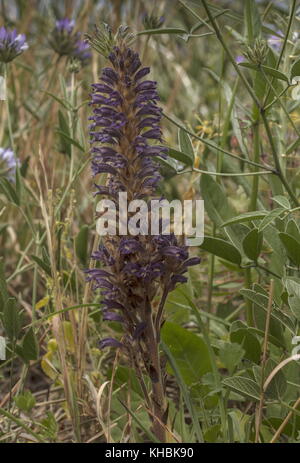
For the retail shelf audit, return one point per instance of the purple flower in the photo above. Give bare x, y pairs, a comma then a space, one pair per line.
112, 316
63, 39
82, 52
66, 42
8, 163
65, 26
110, 342
139, 271
126, 139
12, 44
239, 59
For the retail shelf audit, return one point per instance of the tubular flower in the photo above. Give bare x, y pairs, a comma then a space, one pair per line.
139, 271
125, 119
12, 44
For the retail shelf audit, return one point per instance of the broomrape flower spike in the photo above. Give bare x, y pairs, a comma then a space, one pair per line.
138, 271
12, 44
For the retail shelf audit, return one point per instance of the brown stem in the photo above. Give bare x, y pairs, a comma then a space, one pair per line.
159, 314
156, 377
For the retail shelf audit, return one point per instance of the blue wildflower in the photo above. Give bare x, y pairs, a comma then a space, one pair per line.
8, 163
12, 44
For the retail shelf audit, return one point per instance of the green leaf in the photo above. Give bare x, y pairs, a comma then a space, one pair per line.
252, 244
50, 426
81, 244
25, 401
278, 385
262, 301
293, 145
293, 230
211, 434
125, 375
42, 264
246, 217
293, 290
169, 165
61, 101
276, 328
295, 70
181, 157
269, 218
215, 200
64, 128
282, 201
244, 386
166, 30
189, 351
292, 247
71, 140
270, 71
30, 347
19, 182
230, 355
185, 144
24, 166
249, 343
184, 390
252, 20
221, 248
9, 191
11, 319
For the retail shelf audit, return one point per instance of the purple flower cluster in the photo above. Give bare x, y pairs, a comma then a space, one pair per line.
65, 26
8, 163
12, 44
82, 52
66, 42
126, 138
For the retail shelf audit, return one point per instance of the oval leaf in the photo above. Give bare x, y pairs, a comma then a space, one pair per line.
221, 248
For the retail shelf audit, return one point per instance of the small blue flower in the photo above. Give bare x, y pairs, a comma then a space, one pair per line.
239, 59
63, 39
66, 42
12, 44
82, 52
65, 25
8, 163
